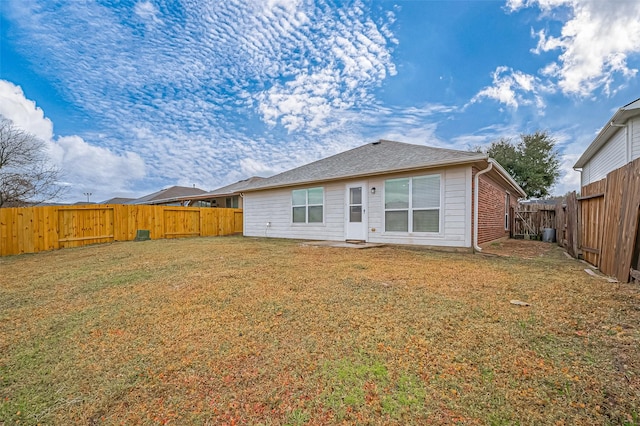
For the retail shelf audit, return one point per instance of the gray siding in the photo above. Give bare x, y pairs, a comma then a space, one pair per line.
610, 157
634, 134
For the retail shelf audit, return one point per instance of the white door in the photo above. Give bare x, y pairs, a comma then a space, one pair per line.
356, 212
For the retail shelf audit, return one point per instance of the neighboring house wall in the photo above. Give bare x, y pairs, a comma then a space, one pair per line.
611, 156
634, 135
492, 210
229, 202
274, 207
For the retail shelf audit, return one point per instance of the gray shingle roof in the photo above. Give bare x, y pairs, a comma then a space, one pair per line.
167, 194
235, 187
117, 200
370, 159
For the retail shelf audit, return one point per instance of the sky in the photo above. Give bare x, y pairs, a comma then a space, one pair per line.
132, 96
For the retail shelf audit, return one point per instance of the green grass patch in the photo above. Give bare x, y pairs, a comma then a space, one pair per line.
365, 383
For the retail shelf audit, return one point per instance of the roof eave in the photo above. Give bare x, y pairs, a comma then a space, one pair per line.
165, 200
620, 117
208, 196
507, 177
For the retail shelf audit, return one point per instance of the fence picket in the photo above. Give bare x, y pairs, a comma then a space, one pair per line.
34, 229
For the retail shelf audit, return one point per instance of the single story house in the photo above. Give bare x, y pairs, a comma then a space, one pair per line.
617, 144
117, 200
171, 196
224, 197
387, 192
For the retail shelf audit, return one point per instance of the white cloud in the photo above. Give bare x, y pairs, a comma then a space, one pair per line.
84, 167
219, 86
23, 112
147, 12
512, 88
350, 56
594, 43
253, 167
98, 168
569, 179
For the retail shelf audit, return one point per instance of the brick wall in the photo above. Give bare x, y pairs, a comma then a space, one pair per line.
491, 210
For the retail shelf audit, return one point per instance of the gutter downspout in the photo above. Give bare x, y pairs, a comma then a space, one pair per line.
475, 204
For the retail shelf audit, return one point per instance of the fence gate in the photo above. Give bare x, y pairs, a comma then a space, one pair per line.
78, 227
181, 222
592, 221
529, 220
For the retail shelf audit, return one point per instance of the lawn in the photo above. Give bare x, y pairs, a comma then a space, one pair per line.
234, 330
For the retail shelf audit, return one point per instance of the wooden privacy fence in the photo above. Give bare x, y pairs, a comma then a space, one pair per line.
592, 219
602, 225
567, 224
618, 231
530, 219
34, 229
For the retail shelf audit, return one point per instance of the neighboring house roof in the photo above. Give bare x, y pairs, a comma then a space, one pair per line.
632, 109
377, 158
168, 195
225, 191
237, 187
117, 200
234, 188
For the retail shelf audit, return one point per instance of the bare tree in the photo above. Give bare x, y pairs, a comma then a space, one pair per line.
26, 176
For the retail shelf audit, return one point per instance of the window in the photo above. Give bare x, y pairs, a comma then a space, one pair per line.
232, 202
506, 211
412, 204
307, 205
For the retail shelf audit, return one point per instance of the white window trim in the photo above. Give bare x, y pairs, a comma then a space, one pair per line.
410, 208
307, 205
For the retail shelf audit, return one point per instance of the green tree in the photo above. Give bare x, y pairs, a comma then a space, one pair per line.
533, 161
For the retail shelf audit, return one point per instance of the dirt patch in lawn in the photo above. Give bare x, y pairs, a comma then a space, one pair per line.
523, 249
256, 331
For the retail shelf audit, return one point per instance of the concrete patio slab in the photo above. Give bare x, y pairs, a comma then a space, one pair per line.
341, 244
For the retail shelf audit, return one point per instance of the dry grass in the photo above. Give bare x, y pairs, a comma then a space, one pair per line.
254, 331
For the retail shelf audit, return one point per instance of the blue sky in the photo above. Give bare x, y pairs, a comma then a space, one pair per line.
135, 95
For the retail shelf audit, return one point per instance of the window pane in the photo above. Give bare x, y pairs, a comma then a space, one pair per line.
396, 221
299, 197
355, 195
426, 192
315, 214
396, 194
315, 195
299, 214
426, 220
355, 214
234, 201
